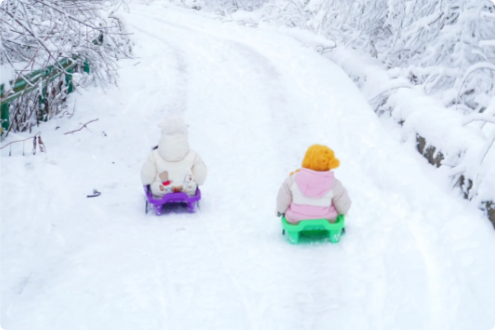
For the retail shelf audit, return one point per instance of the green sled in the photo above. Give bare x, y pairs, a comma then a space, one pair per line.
314, 228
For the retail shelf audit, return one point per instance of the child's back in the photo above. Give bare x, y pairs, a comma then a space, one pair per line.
313, 192
173, 166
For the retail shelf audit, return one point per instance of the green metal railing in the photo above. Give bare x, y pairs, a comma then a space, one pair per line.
31, 82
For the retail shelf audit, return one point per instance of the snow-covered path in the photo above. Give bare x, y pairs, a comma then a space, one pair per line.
415, 257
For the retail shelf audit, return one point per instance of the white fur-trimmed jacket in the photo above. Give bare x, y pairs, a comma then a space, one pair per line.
173, 166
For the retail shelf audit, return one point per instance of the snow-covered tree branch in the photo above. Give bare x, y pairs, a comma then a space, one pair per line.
40, 33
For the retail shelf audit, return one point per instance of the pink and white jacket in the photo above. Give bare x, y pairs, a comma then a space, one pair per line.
310, 194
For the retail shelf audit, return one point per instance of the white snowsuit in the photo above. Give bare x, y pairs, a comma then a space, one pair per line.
173, 167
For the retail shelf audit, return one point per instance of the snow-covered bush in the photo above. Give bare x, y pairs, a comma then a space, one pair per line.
221, 6
38, 33
448, 47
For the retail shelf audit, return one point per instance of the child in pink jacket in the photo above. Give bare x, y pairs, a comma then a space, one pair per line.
313, 192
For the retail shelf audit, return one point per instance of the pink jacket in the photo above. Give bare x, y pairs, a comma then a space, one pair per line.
310, 194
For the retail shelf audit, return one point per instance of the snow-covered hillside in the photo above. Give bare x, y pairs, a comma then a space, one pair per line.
414, 257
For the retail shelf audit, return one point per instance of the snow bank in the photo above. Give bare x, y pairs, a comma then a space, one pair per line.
465, 150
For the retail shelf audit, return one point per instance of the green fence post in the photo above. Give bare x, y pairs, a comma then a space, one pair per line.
42, 103
86, 66
5, 118
68, 81
44, 76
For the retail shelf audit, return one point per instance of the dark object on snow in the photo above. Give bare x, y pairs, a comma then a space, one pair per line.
177, 197
96, 193
154, 148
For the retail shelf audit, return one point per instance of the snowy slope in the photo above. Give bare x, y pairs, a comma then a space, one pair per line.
415, 257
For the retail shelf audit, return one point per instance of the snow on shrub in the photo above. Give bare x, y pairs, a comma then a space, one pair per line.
221, 6
39, 33
447, 47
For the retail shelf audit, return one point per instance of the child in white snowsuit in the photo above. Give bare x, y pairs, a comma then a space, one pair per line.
173, 167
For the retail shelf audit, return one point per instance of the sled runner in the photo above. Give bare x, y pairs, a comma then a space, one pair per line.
314, 228
177, 197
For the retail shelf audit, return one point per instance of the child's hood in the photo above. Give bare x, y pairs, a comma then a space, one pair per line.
173, 145
314, 184
173, 148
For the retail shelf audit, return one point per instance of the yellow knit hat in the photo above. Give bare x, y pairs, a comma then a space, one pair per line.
320, 158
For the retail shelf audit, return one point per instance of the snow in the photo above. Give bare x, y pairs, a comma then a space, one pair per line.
6, 74
415, 256
423, 115
7, 71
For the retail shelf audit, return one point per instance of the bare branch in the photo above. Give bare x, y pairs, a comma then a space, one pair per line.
83, 126
32, 137
72, 17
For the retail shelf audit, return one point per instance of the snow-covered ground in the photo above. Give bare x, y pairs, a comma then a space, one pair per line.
414, 257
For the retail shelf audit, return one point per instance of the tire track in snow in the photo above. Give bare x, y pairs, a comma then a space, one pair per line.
177, 87
249, 53
215, 244
431, 263
250, 58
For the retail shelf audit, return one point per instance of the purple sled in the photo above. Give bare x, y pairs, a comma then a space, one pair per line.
179, 197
